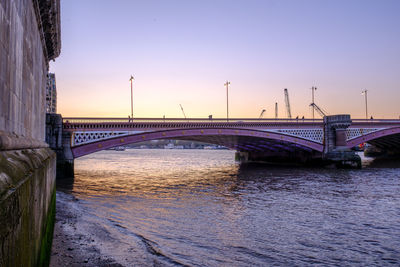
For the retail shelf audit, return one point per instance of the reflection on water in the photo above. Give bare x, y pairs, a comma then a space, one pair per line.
147, 173
200, 208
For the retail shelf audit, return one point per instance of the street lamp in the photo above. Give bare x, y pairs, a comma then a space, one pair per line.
227, 83
313, 89
366, 103
131, 80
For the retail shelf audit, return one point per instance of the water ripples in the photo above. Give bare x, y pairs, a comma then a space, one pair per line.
199, 208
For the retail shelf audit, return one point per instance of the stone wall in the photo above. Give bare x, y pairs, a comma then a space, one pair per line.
23, 71
27, 206
23, 67
29, 38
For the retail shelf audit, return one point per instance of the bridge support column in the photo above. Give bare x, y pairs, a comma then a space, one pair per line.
242, 157
335, 149
60, 142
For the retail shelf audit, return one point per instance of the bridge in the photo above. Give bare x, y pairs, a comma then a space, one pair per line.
254, 139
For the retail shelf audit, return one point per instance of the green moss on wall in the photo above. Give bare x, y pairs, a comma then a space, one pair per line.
27, 206
47, 240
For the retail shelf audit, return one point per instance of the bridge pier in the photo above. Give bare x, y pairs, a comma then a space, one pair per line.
335, 149
242, 157
60, 142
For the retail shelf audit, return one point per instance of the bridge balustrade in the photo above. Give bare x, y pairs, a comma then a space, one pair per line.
123, 123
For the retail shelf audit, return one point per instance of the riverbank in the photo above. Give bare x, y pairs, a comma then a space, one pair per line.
73, 245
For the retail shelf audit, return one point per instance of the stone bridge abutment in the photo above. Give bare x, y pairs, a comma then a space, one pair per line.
60, 142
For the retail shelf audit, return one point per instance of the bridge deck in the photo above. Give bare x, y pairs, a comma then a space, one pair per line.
243, 134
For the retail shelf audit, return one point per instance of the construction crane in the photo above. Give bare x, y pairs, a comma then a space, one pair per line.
321, 112
262, 113
184, 115
289, 114
276, 110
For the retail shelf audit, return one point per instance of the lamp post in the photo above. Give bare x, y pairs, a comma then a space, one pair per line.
313, 89
131, 80
227, 83
365, 92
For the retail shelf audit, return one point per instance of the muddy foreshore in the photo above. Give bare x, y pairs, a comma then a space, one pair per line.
74, 245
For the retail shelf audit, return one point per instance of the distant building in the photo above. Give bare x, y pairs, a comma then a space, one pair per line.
51, 93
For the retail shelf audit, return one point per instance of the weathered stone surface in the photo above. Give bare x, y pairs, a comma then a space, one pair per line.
27, 166
59, 141
334, 132
335, 149
24, 62
48, 17
10, 141
27, 186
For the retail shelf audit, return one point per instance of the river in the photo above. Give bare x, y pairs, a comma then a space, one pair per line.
199, 208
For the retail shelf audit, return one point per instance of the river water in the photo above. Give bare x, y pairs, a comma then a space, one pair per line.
200, 208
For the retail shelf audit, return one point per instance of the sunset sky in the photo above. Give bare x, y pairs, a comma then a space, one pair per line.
182, 52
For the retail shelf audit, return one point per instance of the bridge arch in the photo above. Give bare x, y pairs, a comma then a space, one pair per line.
391, 136
233, 138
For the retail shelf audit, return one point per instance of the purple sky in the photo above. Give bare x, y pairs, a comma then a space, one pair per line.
182, 52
